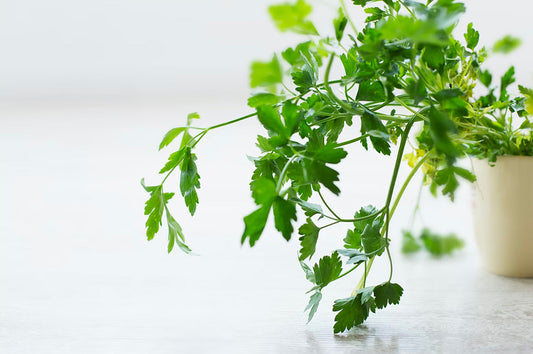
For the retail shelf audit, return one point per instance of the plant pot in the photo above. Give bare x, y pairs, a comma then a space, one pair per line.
503, 215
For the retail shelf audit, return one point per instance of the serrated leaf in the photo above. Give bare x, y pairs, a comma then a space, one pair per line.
292, 17
354, 256
371, 238
261, 99
254, 224
326, 176
312, 306
304, 79
330, 154
351, 312
310, 209
263, 191
340, 24
309, 274
266, 74
352, 239
271, 120
189, 180
170, 136
284, 213
308, 240
507, 79
291, 117
154, 208
387, 293
175, 234
371, 124
173, 160
471, 36
365, 211
327, 269
372, 91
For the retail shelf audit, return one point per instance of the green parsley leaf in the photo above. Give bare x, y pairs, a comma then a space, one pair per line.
175, 234
409, 243
259, 99
309, 274
312, 306
309, 232
154, 208
170, 136
292, 17
254, 224
507, 79
263, 191
310, 209
330, 154
371, 238
439, 245
352, 311
506, 44
379, 135
387, 293
417, 90
174, 160
471, 36
266, 74
284, 212
441, 126
189, 180
271, 120
371, 91
352, 239
433, 56
354, 256
340, 24
327, 269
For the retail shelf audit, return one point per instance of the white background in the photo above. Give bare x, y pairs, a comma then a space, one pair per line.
73, 48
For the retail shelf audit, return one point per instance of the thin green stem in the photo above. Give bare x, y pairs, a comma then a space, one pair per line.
327, 205
341, 103
407, 181
384, 232
397, 99
283, 173
232, 121
349, 271
328, 225
345, 10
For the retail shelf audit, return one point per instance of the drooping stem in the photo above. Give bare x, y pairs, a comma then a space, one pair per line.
327, 205
385, 230
408, 180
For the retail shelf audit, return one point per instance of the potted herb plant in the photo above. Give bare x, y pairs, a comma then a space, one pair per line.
407, 90
503, 194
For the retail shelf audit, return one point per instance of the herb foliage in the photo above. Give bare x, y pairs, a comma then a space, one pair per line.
407, 90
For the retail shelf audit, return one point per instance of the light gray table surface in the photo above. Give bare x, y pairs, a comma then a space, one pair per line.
78, 276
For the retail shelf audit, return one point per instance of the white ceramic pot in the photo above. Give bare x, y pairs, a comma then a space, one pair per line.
503, 215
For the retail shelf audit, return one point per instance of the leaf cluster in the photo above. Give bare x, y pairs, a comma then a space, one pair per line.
406, 82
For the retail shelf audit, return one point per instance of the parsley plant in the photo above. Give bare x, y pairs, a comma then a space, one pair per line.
407, 90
